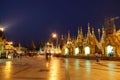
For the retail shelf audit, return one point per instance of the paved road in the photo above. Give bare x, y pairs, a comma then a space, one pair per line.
38, 68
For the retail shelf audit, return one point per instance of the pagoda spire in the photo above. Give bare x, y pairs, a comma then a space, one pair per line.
89, 33
69, 38
19, 46
93, 35
93, 31
78, 37
78, 30
103, 35
62, 38
103, 30
81, 33
114, 26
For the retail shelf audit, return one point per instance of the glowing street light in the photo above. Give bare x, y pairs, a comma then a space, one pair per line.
54, 35
2, 29
1, 32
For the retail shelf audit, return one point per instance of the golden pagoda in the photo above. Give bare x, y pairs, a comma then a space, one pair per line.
110, 39
107, 45
90, 41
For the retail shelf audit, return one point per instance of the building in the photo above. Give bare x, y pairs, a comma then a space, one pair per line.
107, 45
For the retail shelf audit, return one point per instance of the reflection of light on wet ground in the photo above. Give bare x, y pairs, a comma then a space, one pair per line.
54, 70
88, 66
7, 69
66, 63
77, 64
47, 64
111, 68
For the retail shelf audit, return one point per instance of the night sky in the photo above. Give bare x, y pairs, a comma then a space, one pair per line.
26, 20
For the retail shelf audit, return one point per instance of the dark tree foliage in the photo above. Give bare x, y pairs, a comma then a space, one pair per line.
32, 46
40, 45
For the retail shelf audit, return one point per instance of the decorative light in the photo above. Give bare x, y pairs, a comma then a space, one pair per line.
87, 50
76, 51
66, 51
110, 50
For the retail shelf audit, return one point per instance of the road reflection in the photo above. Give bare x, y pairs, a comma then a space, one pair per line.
7, 69
88, 66
54, 70
66, 63
77, 65
54, 66
111, 69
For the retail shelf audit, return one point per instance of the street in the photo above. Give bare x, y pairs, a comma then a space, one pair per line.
38, 68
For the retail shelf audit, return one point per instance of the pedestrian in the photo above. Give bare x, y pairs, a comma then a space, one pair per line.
46, 55
97, 56
18, 56
49, 53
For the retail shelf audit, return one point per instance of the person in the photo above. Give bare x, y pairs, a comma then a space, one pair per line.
47, 55
18, 56
97, 57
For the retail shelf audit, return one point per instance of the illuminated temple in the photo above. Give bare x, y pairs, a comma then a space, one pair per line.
5, 45
107, 45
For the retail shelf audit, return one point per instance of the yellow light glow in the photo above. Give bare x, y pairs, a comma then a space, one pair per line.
110, 50
48, 43
10, 43
2, 29
54, 73
47, 64
54, 35
7, 70
87, 50
76, 51
66, 51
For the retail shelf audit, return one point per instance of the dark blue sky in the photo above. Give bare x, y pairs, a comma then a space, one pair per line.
26, 20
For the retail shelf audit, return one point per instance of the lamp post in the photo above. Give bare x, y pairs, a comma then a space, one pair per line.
55, 36
2, 29
1, 44
1, 32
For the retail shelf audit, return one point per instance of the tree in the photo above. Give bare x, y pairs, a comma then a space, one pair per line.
40, 45
32, 46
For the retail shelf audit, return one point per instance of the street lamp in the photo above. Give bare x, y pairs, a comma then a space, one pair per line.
1, 32
54, 36
2, 29
1, 35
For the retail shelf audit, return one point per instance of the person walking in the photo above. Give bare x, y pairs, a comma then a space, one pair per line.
46, 55
97, 56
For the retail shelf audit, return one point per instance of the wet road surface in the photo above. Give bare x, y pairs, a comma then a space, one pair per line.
38, 68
